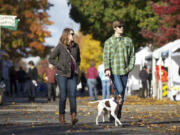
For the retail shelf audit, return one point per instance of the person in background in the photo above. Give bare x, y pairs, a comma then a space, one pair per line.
143, 74
118, 59
92, 75
83, 81
66, 57
32, 76
149, 82
13, 81
50, 73
21, 74
105, 81
6, 64
179, 71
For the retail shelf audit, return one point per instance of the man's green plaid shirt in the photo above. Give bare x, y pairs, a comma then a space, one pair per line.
118, 55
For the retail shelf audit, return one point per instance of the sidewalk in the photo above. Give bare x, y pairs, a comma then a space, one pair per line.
41, 118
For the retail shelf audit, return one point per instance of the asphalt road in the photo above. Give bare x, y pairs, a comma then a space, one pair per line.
19, 117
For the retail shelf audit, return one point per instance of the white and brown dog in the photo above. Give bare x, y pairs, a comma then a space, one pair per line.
111, 106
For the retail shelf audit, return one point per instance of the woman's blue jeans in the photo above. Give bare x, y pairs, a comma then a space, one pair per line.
67, 87
92, 88
105, 89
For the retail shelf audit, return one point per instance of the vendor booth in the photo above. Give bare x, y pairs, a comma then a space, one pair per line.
165, 66
134, 82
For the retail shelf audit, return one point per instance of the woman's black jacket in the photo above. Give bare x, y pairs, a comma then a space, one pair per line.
60, 58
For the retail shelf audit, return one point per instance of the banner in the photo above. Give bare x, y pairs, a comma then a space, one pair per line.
7, 20
12, 27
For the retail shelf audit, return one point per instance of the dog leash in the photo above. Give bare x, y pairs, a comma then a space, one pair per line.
112, 85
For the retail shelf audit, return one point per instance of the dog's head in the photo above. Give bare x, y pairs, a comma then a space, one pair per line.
118, 99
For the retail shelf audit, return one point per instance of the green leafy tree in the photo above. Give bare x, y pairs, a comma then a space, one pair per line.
32, 30
96, 17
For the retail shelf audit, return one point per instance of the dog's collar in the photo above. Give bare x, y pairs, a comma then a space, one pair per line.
114, 100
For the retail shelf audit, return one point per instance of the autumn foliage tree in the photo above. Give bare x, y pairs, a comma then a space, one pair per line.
169, 23
41, 67
32, 30
91, 50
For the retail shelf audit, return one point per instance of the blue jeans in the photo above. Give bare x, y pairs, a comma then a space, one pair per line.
67, 87
92, 88
31, 88
7, 88
105, 89
21, 86
120, 82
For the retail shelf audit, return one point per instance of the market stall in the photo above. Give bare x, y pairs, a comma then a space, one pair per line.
167, 57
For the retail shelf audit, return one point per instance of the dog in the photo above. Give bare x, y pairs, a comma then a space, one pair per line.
111, 106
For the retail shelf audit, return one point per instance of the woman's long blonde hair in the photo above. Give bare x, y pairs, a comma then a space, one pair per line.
64, 37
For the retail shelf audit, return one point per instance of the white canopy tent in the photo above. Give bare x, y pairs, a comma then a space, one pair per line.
134, 82
34, 59
171, 55
141, 55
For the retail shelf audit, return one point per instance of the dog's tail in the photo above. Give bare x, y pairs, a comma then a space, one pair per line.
94, 102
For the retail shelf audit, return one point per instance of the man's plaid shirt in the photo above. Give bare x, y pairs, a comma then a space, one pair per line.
118, 55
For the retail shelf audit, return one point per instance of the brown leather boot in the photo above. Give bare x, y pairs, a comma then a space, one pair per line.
61, 118
74, 119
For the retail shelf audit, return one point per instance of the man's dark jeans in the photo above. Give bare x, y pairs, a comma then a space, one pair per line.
120, 82
51, 90
67, 87
144, 88
31, 89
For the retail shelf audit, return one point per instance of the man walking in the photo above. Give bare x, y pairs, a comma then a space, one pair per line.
143, 74
118, 58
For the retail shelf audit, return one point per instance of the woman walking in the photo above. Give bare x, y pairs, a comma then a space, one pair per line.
66, 57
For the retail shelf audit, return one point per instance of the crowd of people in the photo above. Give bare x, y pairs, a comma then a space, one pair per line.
21, 82
18, 82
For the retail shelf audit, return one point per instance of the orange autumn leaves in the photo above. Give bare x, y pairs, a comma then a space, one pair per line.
32, 27
37, 29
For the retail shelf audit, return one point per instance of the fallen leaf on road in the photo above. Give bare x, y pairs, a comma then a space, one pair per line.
86, 126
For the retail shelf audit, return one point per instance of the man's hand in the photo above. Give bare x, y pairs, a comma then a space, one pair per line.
108, 73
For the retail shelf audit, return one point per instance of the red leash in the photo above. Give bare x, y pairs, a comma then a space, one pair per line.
112, 86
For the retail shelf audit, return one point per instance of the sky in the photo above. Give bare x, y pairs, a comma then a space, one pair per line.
59, 14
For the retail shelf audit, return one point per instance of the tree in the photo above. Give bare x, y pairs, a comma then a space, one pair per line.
96, 17
90, 51
32, 30
168, 12
41, 67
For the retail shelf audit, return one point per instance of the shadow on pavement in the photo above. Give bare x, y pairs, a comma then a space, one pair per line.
79, 129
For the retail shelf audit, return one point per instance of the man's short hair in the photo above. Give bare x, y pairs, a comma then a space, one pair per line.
118, 23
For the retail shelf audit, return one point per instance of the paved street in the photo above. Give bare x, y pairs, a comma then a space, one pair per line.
19, 117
